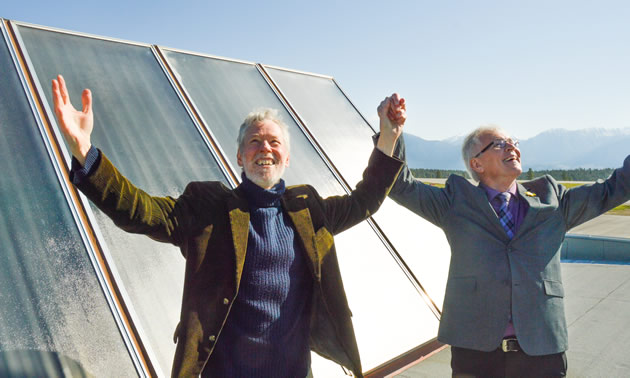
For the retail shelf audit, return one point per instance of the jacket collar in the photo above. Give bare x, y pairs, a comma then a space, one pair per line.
297, 209
533, 203
239, 223
481, 199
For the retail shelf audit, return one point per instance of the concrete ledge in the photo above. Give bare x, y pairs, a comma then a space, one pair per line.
595, 248
597, 304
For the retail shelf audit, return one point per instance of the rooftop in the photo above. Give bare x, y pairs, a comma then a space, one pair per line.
597, 304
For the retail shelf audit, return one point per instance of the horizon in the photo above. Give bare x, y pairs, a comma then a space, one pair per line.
557, 149
458, 138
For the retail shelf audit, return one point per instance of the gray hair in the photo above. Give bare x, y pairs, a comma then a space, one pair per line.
472, 143
259, 115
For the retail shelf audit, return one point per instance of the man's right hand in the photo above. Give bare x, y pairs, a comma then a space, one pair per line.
392, 116
76, 126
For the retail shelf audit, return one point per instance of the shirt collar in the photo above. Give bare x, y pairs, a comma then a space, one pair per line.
491, 193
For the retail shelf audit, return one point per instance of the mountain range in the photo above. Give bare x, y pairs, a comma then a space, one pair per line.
552, 149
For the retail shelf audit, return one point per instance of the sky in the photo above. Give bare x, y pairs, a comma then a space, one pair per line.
527, 66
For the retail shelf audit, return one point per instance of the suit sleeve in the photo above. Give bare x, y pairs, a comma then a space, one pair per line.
132, 209
429, 202
585, 202
343, 212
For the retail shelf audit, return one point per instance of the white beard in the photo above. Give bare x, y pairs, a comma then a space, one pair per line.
266, 180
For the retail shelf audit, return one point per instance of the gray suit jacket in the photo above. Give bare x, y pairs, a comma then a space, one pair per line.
489, 273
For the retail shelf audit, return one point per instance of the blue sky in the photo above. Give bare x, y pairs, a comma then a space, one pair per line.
528, 66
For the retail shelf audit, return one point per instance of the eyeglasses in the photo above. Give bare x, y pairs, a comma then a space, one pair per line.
498, 144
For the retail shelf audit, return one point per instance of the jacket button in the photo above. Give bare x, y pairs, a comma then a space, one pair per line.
226, 301
212, 338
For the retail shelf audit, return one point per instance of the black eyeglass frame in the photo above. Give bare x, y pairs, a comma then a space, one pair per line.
500, 143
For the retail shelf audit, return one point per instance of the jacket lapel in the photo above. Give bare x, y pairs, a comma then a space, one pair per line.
298, 211
481, 200
534, 206
239, 223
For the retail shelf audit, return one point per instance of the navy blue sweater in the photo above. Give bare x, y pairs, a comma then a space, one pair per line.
267, 332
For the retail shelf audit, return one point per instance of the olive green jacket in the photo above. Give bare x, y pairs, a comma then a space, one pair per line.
210, 224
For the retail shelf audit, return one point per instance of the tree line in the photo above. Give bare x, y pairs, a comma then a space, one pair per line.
578, 174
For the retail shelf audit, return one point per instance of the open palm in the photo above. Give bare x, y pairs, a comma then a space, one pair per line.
75, 125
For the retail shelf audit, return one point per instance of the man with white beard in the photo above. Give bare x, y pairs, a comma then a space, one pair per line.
262, 284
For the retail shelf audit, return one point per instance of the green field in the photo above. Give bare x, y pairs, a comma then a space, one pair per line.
619, 210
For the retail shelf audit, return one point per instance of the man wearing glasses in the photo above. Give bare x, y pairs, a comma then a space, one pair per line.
503, 311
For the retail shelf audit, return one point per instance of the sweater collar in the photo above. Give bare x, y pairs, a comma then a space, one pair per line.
259, 197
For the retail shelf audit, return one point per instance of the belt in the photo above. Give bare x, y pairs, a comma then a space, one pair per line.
510, 345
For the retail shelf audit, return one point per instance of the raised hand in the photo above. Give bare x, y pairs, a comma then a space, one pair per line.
392, 114
75, 125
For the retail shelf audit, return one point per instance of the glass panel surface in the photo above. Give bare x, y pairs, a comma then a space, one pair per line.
347, 139
141, 125
53, 314
225, 92
389, 315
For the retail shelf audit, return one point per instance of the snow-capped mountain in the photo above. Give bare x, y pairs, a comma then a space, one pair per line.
553, 149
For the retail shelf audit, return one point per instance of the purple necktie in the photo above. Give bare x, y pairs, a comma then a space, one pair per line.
505, 217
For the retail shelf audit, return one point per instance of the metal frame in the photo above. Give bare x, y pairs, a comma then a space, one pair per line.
122, 307
392, 364
425, 296
302, 126
433, 306
204, 55
436, 310
196, 116
74, 33
84, 218
327, 160
205, 124
53, 151
417, 352
352, 103
297, 71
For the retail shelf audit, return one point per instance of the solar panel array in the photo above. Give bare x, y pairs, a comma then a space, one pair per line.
76, 289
